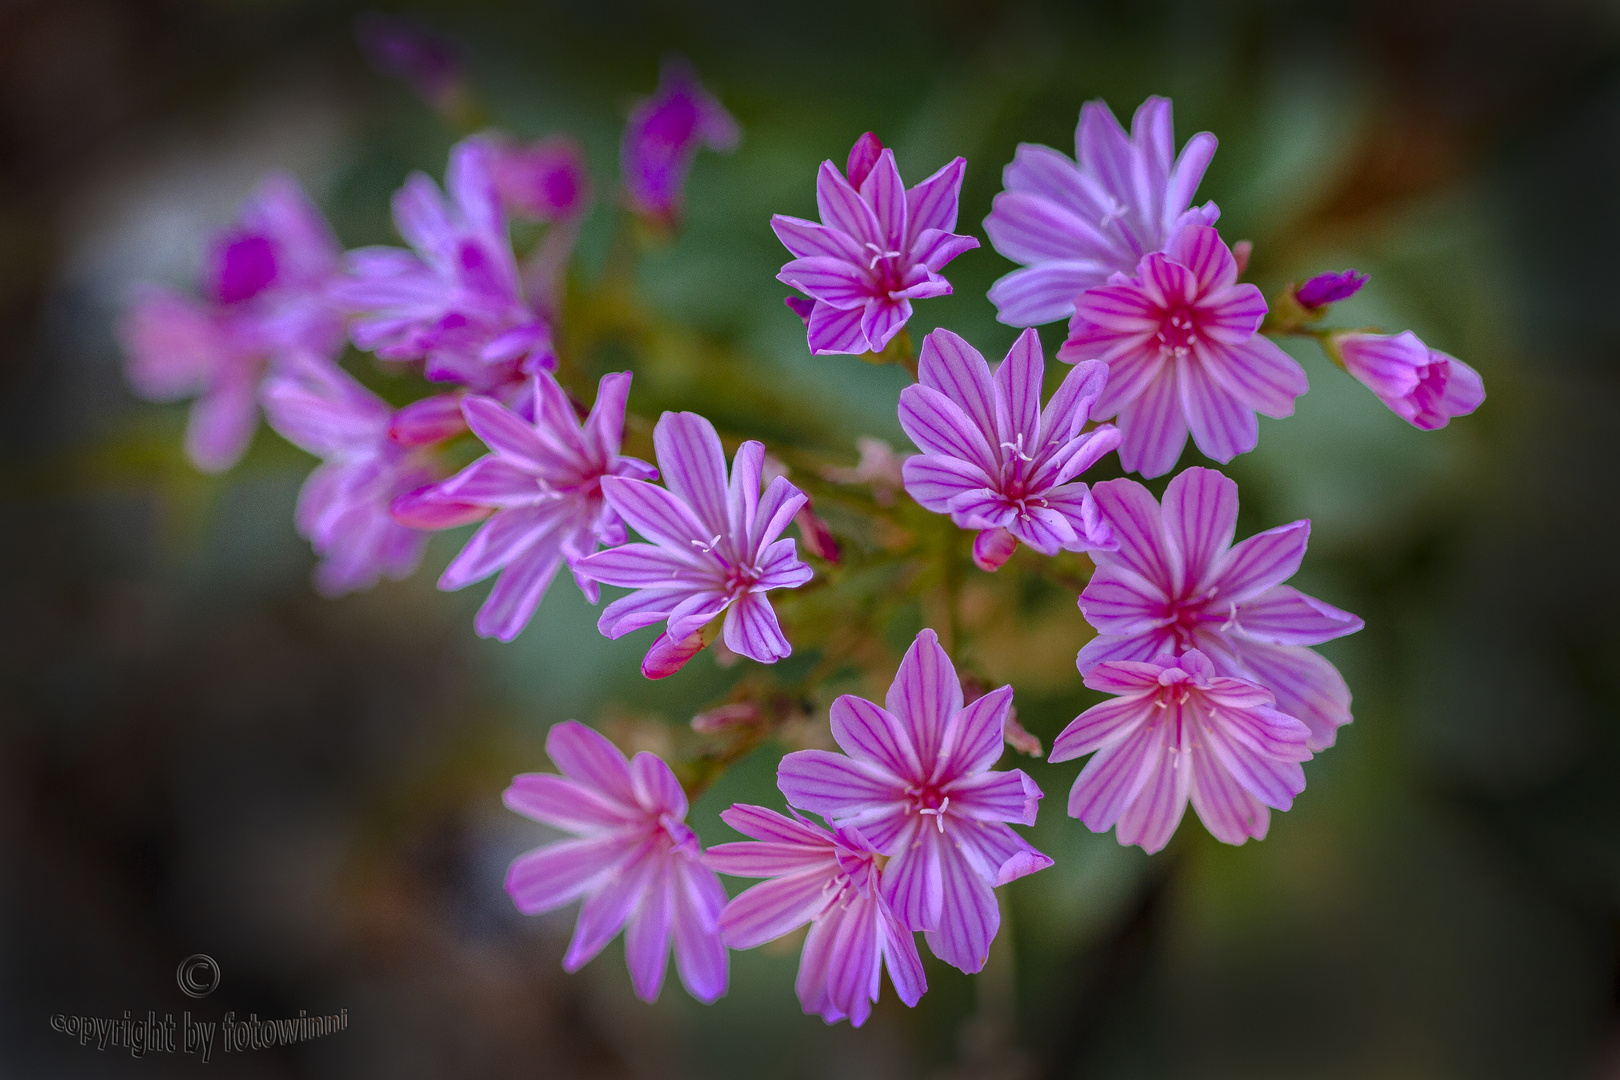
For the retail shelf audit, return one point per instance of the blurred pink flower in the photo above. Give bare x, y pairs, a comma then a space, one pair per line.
713, 548
1183, 350
1177, 582
1179, 731
879, 246
1424, 386
829, 880
635, 862
664, 134
541, 181
543, 480
343, 506
917, 783
1074, 223
993, 459
264, 289
457, 302
404, 49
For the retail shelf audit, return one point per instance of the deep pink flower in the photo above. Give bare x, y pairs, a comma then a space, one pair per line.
1073, 224
1325, 289
664, 134
1177, 582
993, 460
713, 548
404, 49
542, 181
829, 880
1183, 350
543, 480
343, 506
264, 288
1424, 386
879, 246
1178, 731
635, 862
918, 785
458, 301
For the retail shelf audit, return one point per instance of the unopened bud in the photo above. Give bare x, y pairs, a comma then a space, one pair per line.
666, 656
431, 420
1019, 739
727, 717
1240, 253
1324, 289
992, 548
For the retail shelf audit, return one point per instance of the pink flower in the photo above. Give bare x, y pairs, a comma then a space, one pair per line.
542, 181
918, 785
1182, 346
996, 462
543, 480
879, 246
829, 880
635, 863
663, 136
1424, 386
343, 506
265, 296
1177, 582
1073, 224
713, 548
458, 301
1179, 731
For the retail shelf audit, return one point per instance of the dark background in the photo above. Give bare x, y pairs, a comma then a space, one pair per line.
197, 754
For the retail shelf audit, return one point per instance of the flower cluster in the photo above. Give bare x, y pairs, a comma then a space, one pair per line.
1217, 696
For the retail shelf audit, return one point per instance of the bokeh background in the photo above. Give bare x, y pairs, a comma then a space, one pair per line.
198, 754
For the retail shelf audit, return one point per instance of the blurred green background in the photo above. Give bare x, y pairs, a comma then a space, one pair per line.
197, 754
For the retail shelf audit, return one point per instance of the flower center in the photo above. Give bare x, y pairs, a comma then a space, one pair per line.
1178, 332
929, 801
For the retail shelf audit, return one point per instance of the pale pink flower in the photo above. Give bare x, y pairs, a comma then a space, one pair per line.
713, 548
918, 784
368, 462
1423, 386
456, 301
1183, 349
1075, 223
879, 246
831, 881
1177, 582
993, 459
1178, 731
635, 863
543, 481
265, 296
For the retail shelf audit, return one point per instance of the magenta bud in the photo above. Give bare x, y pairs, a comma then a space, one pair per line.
818, 539
800, 306
992, 547
1324, 289
862, 157
431, 420
666, 657
425, 509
